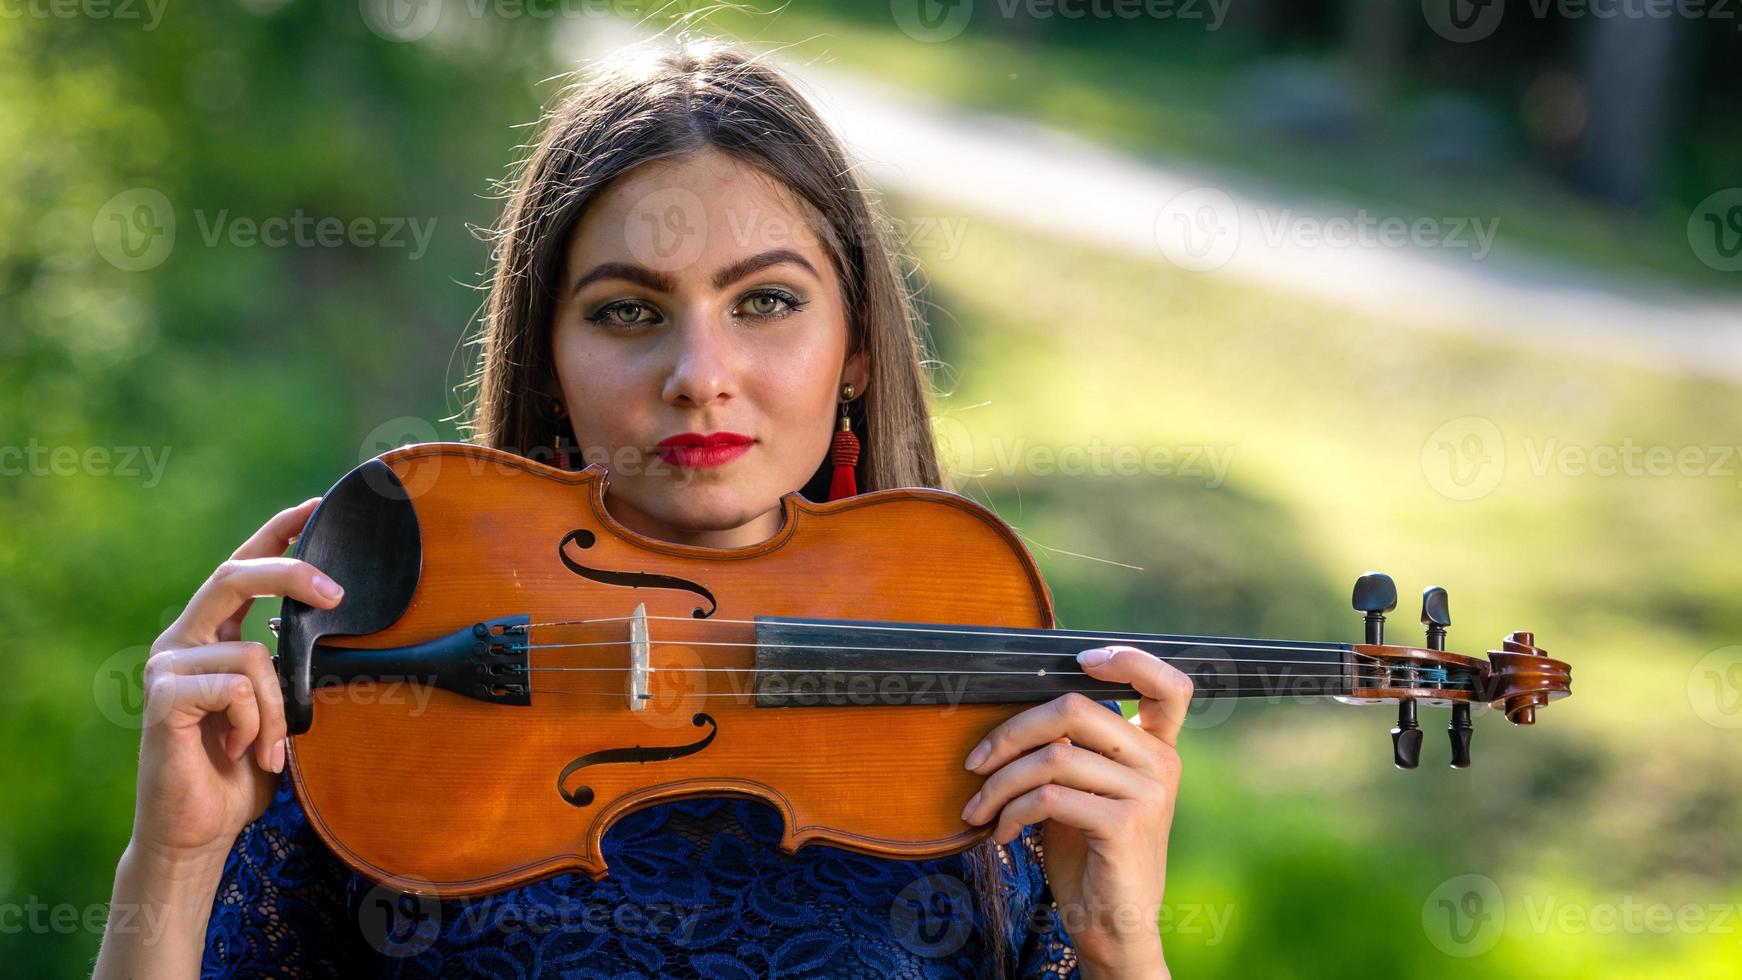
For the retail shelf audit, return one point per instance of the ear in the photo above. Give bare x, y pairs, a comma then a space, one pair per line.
856, 371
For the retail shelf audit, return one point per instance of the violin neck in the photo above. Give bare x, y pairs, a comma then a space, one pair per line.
802, 662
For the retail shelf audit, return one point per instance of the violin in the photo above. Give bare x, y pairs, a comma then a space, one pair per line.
512, 670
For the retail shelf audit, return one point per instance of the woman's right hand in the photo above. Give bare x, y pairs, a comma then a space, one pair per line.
214, 736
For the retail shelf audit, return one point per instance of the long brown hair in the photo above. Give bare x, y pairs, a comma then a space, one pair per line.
703, 94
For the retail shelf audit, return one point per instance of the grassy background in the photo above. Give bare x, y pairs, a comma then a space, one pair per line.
1289, 812
260, 374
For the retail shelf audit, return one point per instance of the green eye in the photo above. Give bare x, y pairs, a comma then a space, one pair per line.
623, 313
770, 304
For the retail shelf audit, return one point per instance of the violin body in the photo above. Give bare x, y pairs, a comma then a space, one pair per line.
428, 790
512, 670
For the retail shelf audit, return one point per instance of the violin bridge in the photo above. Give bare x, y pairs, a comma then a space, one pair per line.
640, 657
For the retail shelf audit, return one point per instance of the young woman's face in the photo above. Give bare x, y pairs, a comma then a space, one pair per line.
697, 299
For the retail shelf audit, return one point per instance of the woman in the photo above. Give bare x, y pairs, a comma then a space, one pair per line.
685, 252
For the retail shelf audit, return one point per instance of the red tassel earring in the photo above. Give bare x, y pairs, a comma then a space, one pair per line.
561, 458
560, 453
844, 453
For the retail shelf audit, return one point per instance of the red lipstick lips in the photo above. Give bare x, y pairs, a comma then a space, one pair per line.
694, 450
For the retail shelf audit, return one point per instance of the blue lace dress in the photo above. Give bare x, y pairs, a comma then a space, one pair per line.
698, 888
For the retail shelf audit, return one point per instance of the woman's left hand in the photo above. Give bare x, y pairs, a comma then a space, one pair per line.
1103, 789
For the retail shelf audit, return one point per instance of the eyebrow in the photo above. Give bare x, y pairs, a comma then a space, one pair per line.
663, 282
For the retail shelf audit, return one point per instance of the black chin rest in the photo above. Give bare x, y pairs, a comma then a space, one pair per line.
364, 535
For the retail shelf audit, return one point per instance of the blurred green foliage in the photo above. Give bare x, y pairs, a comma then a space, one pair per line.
256, 375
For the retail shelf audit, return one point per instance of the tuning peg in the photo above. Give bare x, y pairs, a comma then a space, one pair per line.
1375, 594
1406, 737
1436, 615
1460, 732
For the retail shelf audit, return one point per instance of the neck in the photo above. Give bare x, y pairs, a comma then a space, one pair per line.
755, 531
837, 661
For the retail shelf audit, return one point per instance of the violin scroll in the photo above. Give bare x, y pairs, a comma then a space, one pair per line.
1524, 678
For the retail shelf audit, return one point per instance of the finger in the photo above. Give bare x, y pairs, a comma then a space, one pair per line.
270, 541
241, 580
276, 534
1065, 765
1166, 690
253, 661
1096, 816
184, 700
1073, 716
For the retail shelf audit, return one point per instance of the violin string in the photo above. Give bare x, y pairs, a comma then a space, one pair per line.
1132, 639
846, 670
1122, 693
988, 653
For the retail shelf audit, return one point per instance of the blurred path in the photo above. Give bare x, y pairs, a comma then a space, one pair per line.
1039, 177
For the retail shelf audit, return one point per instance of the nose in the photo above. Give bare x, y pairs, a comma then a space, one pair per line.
701, 368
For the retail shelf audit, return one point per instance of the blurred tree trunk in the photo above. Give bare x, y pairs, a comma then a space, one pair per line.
1374, 41
1632, 80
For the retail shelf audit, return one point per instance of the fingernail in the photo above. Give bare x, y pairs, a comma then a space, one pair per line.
278, 756
972, 803
979, 755
1095, 657
327, 587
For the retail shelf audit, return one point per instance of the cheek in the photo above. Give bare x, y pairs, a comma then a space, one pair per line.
800, 388
598, 388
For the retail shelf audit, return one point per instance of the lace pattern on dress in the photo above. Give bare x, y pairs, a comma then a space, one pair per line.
698, 889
